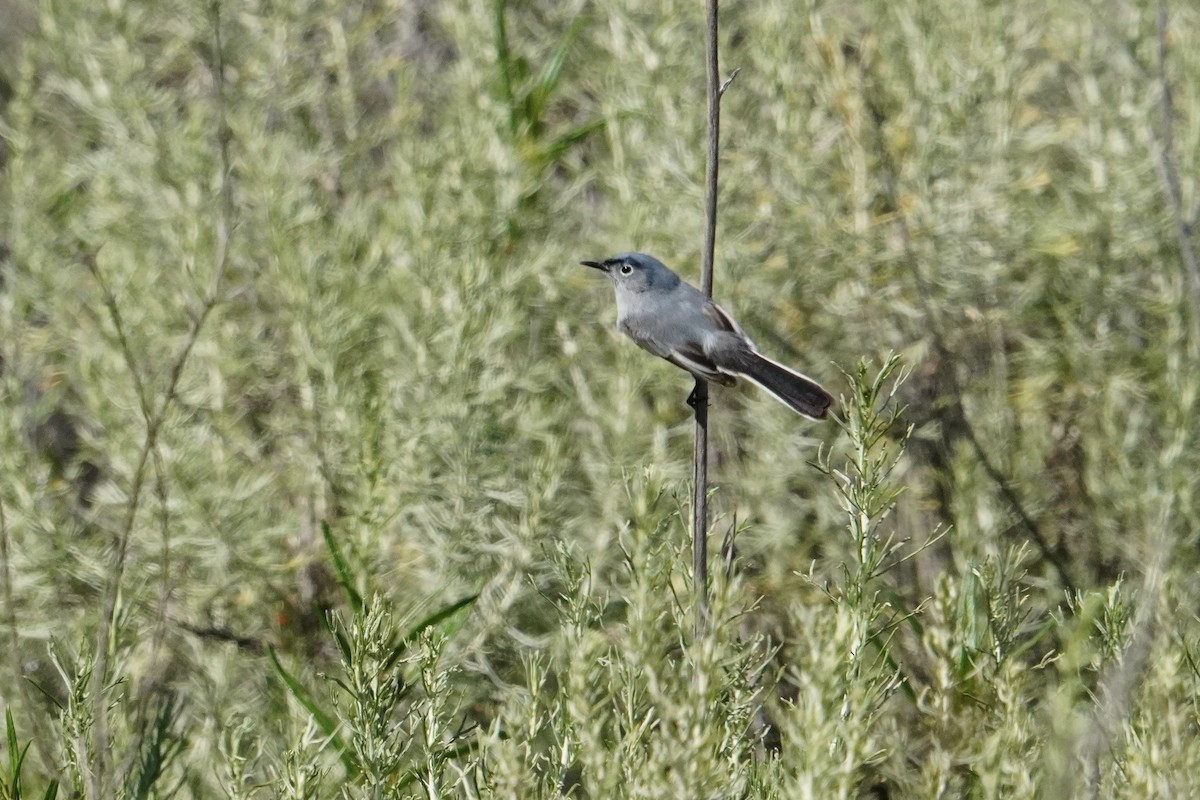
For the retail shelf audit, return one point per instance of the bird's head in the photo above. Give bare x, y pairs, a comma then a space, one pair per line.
636, 272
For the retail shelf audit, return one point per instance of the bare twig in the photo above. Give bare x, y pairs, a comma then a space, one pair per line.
248, 644
700, 503
727, 82
700, 393
145, 701
96, 783
154, 414
1048, 551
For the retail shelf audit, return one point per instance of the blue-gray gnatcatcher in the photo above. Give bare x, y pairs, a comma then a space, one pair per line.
676, 321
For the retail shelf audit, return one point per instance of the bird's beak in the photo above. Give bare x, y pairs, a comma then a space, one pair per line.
600, 265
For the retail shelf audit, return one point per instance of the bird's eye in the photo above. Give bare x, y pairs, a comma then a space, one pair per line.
626, 268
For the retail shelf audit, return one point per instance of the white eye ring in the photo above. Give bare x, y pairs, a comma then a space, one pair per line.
626, 269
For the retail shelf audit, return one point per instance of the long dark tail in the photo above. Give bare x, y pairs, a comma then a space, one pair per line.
798, 392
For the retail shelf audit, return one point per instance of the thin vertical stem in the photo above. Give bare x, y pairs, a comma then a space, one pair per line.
700, 453
700, 503
714, 138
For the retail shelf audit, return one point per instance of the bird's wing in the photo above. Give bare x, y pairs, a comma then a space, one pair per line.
687, 356
721, 318
697, 363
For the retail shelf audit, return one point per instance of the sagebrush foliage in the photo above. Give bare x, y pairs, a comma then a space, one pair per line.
278, 270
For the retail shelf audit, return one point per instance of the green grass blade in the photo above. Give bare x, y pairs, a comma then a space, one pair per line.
345, 577
436, 618
504, 65
14, 753
547, 81
439, 616
325, 722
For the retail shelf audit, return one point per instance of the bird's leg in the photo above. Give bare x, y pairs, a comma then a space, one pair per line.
694, 398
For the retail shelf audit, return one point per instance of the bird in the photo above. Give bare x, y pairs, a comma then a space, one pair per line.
667, 316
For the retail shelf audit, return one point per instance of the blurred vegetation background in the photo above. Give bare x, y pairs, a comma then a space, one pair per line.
326, 474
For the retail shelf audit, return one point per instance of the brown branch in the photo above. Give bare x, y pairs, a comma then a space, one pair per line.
699, 397
700, 503
1049, 552
247, 644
